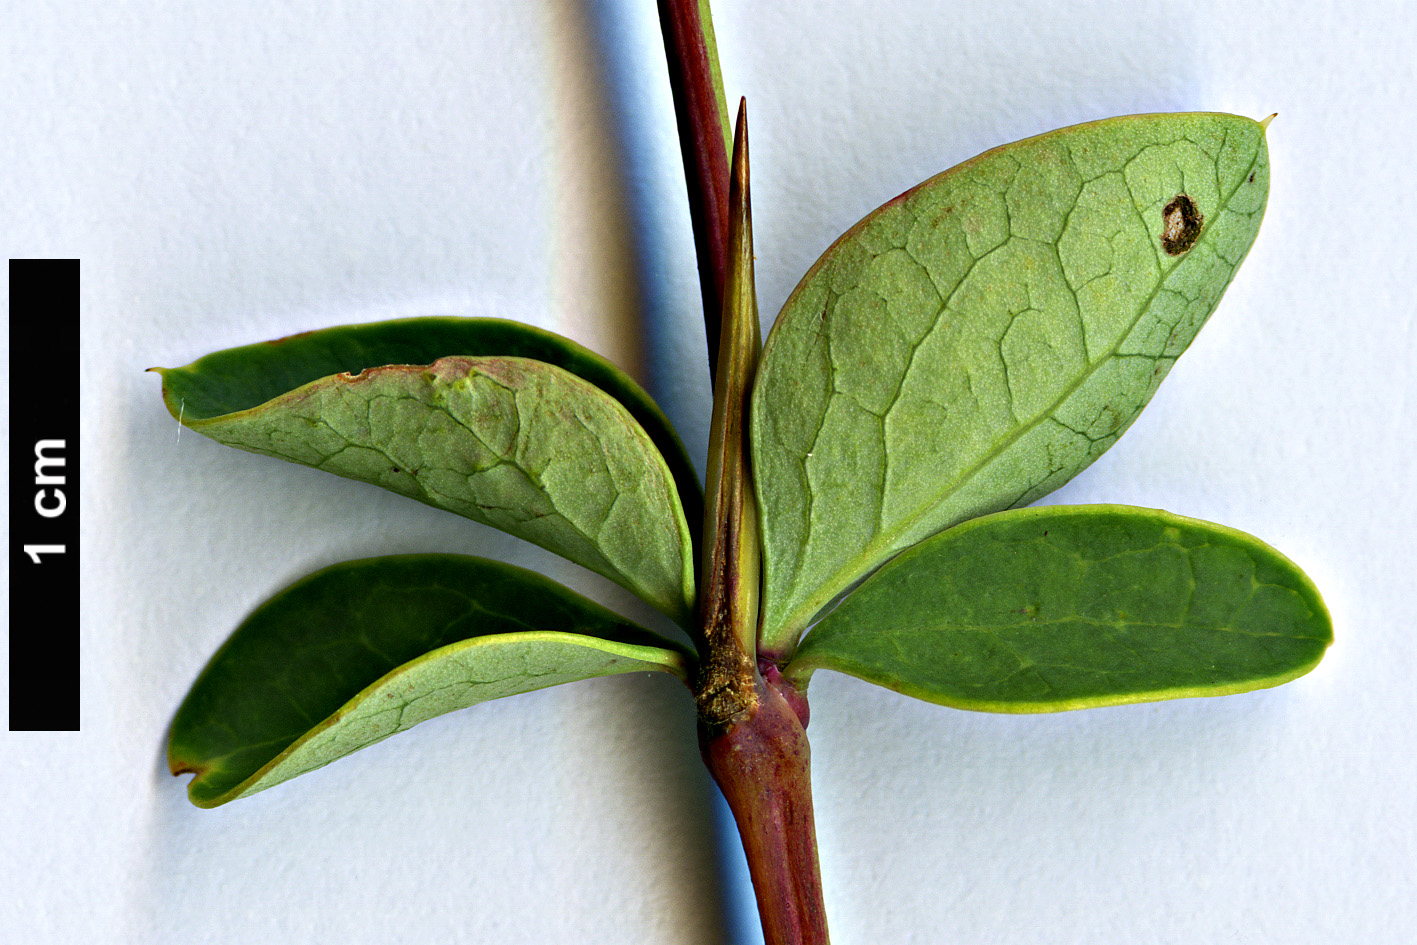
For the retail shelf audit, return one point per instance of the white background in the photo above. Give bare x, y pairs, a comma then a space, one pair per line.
230, 172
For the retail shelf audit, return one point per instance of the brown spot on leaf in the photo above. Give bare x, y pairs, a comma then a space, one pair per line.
281, 341
180, 767
1181, 225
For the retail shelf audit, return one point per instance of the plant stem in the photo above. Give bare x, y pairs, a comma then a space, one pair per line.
763, 766
702, 113
752, 723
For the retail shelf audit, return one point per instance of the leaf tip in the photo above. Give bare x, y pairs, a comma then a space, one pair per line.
739, 169
200, 790
1264, 123
180, 765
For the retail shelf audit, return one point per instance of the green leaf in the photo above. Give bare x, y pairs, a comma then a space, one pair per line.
1046, 609
238, 379
517, 444
981, 339
364, 649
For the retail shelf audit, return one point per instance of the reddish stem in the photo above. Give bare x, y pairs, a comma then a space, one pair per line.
752, 723
762, 763
704, 146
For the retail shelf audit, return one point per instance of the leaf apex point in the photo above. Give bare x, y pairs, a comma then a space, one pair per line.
179, 768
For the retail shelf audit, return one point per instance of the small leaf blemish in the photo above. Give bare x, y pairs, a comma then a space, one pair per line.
1181, 225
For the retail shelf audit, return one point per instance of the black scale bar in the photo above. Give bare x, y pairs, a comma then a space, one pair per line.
44, 495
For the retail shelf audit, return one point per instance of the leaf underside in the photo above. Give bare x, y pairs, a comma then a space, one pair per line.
981, 339
364, 649
514, 443
238, 379
1054, 608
